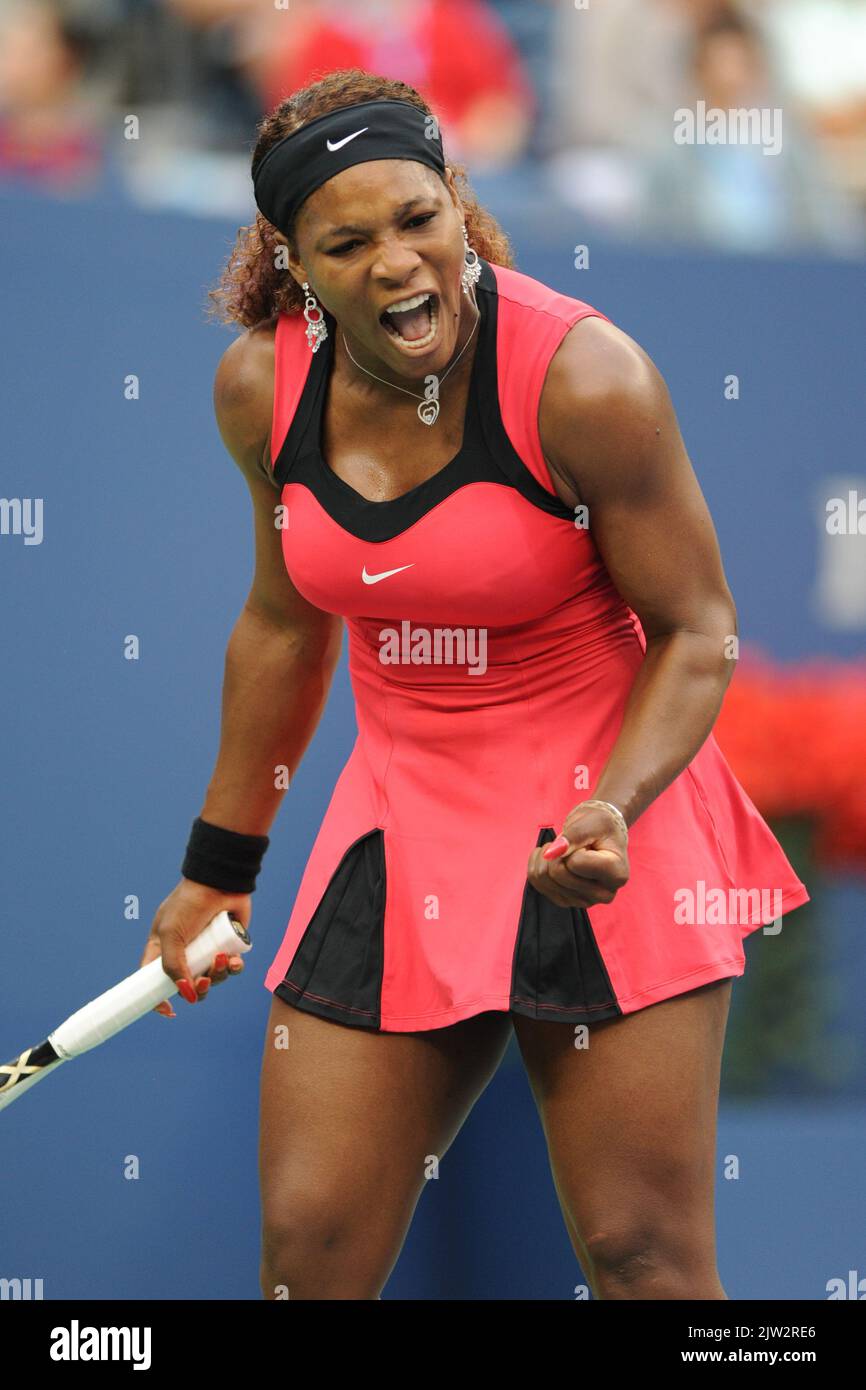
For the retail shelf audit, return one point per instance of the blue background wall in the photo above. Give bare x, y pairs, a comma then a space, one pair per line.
148, 531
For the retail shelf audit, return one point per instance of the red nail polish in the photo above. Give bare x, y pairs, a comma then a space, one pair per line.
185, 988
203, 986
556, 848
221, 961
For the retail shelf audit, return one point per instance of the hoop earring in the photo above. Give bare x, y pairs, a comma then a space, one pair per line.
317, 329
472, 269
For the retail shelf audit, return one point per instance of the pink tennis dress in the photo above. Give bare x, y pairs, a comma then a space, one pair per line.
491, 659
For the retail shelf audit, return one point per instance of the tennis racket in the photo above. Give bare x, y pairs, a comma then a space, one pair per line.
119, 1006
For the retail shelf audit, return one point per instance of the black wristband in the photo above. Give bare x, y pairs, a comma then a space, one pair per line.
223, 859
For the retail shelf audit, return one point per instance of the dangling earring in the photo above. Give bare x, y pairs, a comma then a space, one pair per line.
472, 268
317, 329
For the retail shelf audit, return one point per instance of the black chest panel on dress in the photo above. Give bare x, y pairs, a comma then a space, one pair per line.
485, 456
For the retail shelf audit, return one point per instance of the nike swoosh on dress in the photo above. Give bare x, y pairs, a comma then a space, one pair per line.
386, 574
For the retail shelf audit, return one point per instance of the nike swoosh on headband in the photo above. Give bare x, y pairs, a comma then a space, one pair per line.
386, 574
338, 144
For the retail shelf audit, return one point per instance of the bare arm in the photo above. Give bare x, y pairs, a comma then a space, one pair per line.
282, 652
609, 430
279, 664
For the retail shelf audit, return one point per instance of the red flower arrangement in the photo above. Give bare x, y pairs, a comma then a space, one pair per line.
796, 739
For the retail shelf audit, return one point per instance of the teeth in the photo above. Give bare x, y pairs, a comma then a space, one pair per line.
418, 342
407, 304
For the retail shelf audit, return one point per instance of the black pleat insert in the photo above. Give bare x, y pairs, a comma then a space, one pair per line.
559, 973
336, 971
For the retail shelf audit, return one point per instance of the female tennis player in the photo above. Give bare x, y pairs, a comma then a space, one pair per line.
484, 479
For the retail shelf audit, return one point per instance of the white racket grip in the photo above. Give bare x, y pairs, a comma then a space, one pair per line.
135, 996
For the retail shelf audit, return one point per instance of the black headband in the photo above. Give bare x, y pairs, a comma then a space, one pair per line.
301, 162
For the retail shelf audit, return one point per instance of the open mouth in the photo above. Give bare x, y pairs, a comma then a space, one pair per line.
412, 322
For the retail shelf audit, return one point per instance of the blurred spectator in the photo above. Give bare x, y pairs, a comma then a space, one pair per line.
618, 66
617, 69
457, 53
531, 27
212, 47
819, 47
184, 74
49, 129
737, 194
623, 70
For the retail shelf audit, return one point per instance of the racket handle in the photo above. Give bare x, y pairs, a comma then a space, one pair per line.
140, 992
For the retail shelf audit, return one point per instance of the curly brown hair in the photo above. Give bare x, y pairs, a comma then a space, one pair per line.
251, 287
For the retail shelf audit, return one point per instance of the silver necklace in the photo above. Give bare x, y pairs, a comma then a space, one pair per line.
428, 410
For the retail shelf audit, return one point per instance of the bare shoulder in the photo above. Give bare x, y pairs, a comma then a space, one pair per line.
243, 395
604, 407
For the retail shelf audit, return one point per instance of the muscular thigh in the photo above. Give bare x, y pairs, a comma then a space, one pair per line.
350, 1118
630, 1119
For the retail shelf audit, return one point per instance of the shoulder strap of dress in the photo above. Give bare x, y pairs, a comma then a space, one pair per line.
533, 319
292, 361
